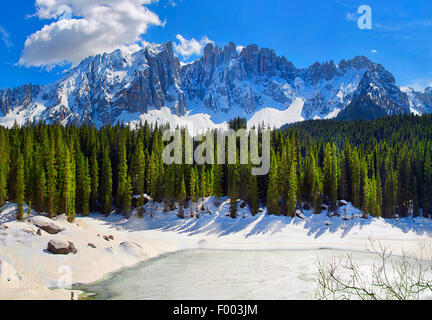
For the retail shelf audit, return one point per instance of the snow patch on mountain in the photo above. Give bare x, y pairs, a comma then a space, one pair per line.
153, 85
275, 119
196, 123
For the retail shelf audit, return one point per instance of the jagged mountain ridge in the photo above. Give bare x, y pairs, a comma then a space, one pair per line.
153, 85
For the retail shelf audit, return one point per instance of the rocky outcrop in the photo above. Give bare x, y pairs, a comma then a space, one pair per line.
120, 86
21, 97
61, 247
377, 95
101, 88
46, 225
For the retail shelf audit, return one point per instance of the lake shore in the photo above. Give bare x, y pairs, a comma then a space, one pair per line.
31, 270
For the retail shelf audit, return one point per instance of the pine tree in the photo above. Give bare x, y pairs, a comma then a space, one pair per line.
390, 187
182, 197
427, 202
65, 182
234, 190
41, 192
169, 191
124, 188
253, 194
4, 167
105, 183
218, 189
137, 169
292, 190
273, 190
331, 176
192, 189
51, 182
94, 178
20, 187
404, 190
83, 185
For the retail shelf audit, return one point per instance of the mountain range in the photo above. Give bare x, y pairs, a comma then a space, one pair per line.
153, 85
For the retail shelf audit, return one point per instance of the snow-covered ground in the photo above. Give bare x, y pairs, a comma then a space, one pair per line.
28, 269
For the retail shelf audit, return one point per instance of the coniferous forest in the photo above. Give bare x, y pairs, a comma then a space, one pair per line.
383, 167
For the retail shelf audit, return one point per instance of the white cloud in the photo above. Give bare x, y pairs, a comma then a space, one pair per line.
374, 51
420, 84
351, 17
4, 36
187, 48
83, 28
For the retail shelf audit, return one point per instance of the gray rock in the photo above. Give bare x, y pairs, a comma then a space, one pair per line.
46, 225
61, 247
91, 245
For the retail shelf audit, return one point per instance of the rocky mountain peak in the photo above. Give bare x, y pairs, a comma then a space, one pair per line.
126, 86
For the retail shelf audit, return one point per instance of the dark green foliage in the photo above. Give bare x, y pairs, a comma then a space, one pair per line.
20, 187
105, 183
383, 167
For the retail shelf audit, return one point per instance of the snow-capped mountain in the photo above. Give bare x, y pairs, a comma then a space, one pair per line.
377, 95
102, 89
152, 85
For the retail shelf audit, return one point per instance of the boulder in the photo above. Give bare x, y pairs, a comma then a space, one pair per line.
61, 247
72, 248
243, 204
46, 225
299, 214
39, 232
106, 238
91, 245
111, 237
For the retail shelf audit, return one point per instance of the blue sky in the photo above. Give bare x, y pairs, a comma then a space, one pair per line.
61, 32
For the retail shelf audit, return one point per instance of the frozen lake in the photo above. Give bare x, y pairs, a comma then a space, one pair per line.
223, 275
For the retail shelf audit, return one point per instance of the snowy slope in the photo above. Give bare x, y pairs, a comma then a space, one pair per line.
152, 84
277, 118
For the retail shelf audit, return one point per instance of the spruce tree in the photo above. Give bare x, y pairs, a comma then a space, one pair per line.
182, 197
94, 178
273, 190
83, 185
427, 202
20, 186
4, 167
253, 194
292, 191
105, 183
124, 189
41, 192
51, 182
137, 169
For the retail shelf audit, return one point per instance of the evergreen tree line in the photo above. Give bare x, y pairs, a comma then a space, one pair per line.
383, 167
